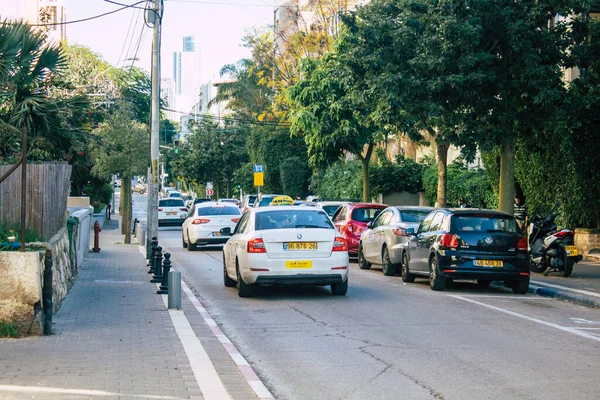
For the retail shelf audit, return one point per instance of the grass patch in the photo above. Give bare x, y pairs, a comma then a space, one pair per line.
6, 231
8, 329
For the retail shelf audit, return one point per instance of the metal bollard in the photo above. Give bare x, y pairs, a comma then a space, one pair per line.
174, 300
157, 277
164, 286
153, 246
135, 222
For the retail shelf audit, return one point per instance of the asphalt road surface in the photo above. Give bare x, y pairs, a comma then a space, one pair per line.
390, 340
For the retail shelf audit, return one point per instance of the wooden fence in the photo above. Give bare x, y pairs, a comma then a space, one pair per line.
48, 186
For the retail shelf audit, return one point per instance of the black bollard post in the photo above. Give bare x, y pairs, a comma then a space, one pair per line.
157, 277
164, 286
153, 245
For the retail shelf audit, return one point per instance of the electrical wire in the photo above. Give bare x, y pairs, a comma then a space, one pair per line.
121, 4
133, 17
80, 20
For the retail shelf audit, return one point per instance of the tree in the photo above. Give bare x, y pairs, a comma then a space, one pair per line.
331, 111
121, 145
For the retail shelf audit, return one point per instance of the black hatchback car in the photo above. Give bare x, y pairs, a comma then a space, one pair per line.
485, 245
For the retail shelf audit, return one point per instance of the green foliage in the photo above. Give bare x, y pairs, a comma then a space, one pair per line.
294, 174
403, 175
99, 191
8, 329
473, 185
341, 181
6, 231
244, 176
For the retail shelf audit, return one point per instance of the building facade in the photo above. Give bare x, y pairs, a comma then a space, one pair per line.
35, 12
186, 74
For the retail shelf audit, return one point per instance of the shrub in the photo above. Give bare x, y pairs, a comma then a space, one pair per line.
341, 181
403, 175
294, 172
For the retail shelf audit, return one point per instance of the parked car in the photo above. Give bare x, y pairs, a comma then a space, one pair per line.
248, 202
330, 207
141, 188
174, 194
352, 218
485, 245
285, 245
385, 240
312, 198
171, 211
205, 221
117, 183
265, 200
199, 200
166, 190
234, 201
304, 203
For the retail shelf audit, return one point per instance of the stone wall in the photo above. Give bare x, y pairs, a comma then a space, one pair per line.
62, 270
21, 277
586, 240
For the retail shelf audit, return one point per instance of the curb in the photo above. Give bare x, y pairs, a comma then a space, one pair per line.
563, 295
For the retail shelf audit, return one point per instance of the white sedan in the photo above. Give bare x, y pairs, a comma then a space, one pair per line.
205, 221
171, 211
285, 245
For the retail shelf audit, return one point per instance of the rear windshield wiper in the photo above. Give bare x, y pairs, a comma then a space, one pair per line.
311, 226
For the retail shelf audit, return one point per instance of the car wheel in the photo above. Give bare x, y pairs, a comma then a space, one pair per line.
339, 289
436, 280
362, 262
243, 289
406, 275
483, 283
520, 287
183, 242
227, 281
387, 266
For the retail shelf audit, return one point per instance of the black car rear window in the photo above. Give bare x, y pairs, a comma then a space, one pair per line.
287, 219
171, 203
331, 209
413, 215
200, 200
484, 223
217, 210
365, 214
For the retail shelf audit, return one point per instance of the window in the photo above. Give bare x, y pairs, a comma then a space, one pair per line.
379, 221
426, 222
217, 210
484, 223
242, 224
340, 214
436, 223
289, 219
365, 214
171, 203
413, 215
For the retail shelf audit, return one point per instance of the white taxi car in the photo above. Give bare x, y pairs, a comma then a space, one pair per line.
171, 211
205, 221
285, 245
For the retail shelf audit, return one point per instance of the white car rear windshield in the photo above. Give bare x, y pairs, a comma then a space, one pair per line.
289, 219
171, 203
218, 210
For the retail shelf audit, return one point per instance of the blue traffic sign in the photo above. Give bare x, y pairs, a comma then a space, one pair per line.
258, 168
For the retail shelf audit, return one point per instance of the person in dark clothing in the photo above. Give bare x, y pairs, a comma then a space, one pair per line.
461, 203
520, 212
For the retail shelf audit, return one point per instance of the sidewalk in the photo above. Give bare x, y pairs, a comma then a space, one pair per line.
114, 338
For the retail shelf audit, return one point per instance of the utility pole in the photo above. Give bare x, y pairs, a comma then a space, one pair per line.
152, 212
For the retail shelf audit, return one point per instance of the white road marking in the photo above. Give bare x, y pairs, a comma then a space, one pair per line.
581, 291
585, 321
204, 371
507, 297
79, 392
531, 319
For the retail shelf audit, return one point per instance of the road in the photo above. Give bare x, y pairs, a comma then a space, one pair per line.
390, 340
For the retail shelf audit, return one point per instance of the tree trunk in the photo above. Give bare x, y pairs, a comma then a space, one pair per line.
365, 172
442, 161
126, 219
506, 188
121, 198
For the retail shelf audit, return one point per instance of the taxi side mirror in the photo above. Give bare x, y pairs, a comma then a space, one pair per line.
226, 231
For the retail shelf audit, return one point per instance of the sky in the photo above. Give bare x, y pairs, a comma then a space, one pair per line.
218, 25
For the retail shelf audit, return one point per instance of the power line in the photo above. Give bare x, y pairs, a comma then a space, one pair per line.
121, 4
127, 38
81, 20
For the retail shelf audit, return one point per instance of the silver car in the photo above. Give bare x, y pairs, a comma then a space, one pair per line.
385, 240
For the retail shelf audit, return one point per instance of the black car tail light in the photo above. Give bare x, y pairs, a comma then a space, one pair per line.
522, 243
449, 241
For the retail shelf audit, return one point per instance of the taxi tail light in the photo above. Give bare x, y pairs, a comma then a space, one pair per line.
256, 246
449, 241
522, 243
199, 221
183, 209
235, 220
339, 244
160, 209
400, 232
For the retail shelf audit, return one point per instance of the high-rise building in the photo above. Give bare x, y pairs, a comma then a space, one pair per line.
51, 12
186, 74
167, 94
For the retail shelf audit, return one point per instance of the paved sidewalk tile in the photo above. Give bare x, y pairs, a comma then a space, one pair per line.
112, 334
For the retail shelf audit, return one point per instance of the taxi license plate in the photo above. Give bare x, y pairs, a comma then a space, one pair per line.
296, 246
171, 213
306, 264
488, 263
571, 251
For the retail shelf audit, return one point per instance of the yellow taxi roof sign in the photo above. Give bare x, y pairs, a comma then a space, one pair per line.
282, 201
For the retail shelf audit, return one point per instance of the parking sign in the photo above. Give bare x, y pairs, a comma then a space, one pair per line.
259, 168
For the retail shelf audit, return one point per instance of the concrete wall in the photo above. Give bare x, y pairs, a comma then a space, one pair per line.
82, 235
78, 201
21, 290
586, 240
400, 199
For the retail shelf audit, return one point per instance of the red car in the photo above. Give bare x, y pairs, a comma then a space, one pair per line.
352, 218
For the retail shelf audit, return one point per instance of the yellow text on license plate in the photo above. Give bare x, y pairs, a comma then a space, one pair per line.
300, 246
571, 251
488, 263
171, 213
303, 264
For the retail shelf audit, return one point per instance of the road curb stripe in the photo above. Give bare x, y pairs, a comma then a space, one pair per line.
247, 371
